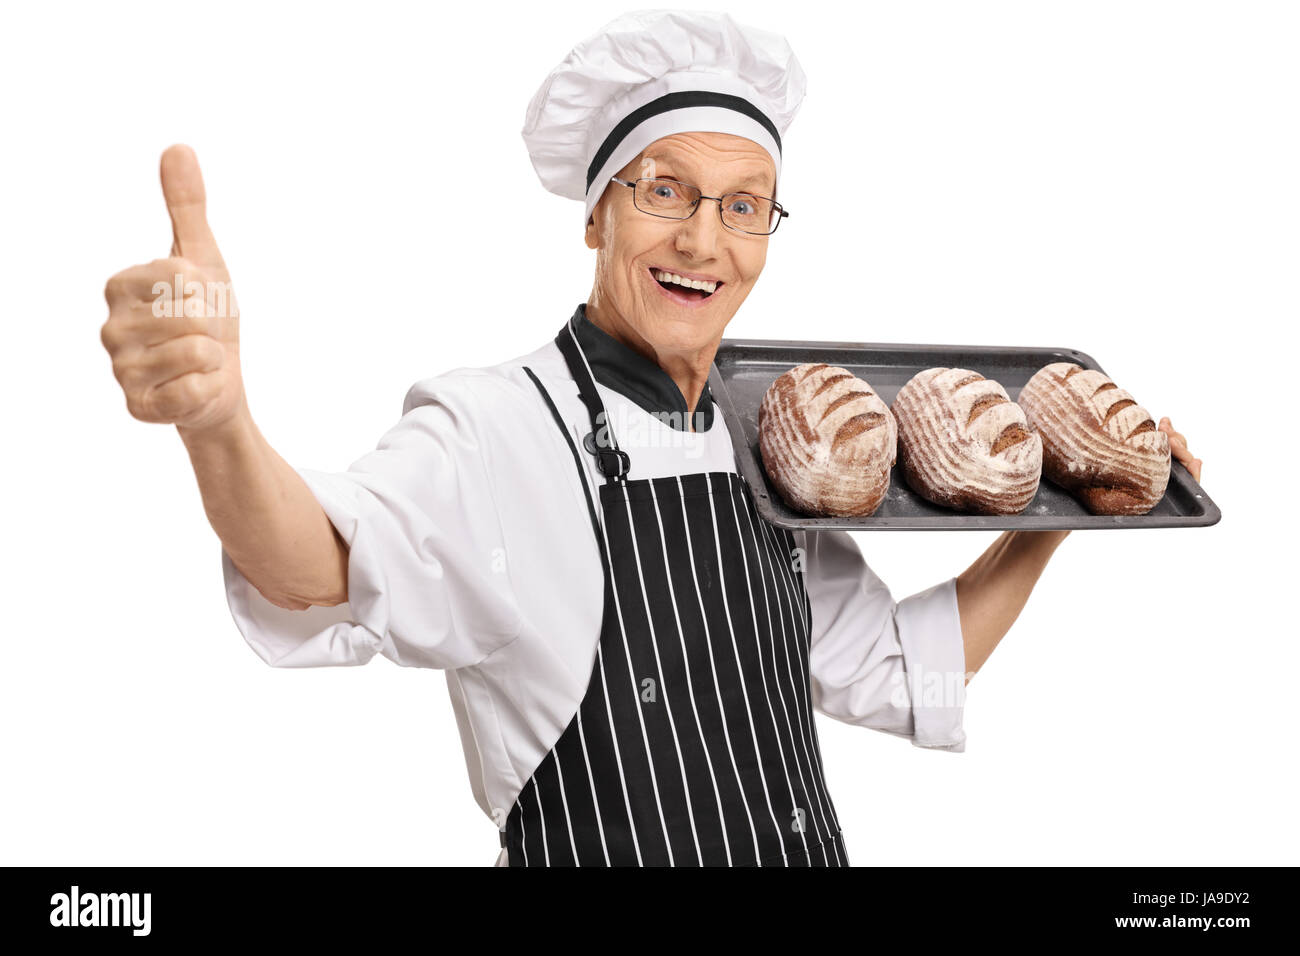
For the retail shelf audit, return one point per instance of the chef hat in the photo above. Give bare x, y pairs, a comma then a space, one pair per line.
649, 74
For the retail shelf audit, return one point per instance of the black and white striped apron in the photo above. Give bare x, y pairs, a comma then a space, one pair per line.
695, 743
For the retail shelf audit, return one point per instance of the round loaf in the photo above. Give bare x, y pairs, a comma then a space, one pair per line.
827, 441
964, 444
1099, 444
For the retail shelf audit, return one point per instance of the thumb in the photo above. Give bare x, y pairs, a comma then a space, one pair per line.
182, 186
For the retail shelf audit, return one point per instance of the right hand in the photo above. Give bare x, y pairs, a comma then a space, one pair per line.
178, 366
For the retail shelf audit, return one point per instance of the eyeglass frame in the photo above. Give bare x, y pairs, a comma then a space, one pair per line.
696, 205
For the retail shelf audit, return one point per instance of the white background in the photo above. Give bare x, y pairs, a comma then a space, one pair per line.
1120, 178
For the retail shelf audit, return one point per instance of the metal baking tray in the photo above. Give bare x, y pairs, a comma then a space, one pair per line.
743, 369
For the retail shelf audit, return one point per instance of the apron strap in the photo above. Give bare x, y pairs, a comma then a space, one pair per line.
577, 462
612, 461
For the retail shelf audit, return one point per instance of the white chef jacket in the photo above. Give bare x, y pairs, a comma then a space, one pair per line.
471, 550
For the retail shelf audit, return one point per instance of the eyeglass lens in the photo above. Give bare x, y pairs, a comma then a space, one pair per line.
674, 200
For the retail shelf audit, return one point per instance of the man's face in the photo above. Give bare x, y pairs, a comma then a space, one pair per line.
633, 246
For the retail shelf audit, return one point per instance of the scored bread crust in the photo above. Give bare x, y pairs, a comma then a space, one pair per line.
827, 441
964, 444
1099, 444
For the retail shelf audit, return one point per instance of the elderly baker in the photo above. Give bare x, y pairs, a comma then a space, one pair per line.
634, 655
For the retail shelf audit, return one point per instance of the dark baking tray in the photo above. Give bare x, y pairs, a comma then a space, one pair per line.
744, 368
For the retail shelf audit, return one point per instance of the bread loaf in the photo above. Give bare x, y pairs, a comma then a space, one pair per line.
827, 441
1099, 444
964, 444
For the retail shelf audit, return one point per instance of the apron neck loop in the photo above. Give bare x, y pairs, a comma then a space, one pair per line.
611, 461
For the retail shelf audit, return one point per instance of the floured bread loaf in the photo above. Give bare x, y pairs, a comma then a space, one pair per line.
827, 441
964, 444
1099, 444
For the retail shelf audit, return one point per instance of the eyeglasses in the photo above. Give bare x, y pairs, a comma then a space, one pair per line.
669, 199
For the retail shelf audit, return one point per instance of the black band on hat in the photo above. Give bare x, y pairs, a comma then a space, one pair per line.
685, 99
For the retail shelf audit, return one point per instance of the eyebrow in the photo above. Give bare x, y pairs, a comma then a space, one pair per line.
754, 179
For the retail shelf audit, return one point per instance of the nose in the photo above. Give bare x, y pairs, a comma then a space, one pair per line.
697, 237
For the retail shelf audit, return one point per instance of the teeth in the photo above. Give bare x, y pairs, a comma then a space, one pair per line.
700, 284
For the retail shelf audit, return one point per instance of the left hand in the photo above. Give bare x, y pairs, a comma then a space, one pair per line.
1178, 446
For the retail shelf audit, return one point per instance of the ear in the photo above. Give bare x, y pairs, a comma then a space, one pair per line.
590, 238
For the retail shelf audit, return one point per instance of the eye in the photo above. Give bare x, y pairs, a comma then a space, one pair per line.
663, 190
746, 207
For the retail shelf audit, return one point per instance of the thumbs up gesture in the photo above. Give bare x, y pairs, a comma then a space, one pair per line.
173, 325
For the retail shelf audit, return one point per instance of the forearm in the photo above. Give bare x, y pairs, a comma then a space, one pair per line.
268, 520
992, 592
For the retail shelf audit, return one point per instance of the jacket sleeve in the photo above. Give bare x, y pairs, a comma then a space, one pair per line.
428, 584
897, 667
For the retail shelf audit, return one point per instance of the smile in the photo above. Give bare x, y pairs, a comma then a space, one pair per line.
670, 285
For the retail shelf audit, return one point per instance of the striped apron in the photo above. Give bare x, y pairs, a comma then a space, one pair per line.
695, 743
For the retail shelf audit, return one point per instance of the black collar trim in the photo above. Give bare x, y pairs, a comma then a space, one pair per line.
630, 373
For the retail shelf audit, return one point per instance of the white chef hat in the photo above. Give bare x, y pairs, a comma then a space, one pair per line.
649, 74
